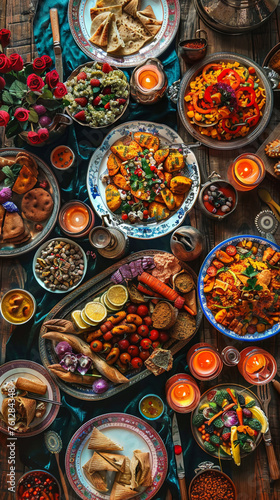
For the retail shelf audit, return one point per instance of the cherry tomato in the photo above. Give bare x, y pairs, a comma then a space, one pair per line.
212, 271
123, 344
143, 330
142, 311
133, 350
144, 355
153, 335
124, 216
132, 309
155, 344
125, 358
96, 346
107, 336
146, 343
148, 320
107, 347
134, 338
163, 337
136, 363
231, 250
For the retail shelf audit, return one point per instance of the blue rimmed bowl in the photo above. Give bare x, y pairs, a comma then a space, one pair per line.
200, 285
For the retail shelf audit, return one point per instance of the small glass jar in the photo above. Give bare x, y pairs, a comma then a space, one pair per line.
257, 366
204, 361
76, 219
246, 172
182, 393
230, 356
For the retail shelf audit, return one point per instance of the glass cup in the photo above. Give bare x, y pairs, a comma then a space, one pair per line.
76, 219
257, 366
246, 172
182, 393
230, 356
204, 361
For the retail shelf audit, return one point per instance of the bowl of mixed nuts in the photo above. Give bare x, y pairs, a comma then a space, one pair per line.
59, 265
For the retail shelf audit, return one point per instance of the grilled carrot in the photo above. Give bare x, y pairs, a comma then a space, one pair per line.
147, 291
158, 286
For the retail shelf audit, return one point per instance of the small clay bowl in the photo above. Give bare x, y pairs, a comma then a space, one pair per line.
213, 472
191, 54
147, 397
220, 184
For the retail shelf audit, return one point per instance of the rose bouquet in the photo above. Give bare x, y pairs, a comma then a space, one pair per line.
30, 95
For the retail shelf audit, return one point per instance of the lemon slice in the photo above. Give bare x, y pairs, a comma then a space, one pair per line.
235, 448
87, 321
97, 299
261, 417
109, 305
226, 449
78, 320
117, 295
95, 311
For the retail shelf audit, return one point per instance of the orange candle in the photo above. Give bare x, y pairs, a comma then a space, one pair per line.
205, 363
246, 172
182, 394
149, 77
256, 365
76, 218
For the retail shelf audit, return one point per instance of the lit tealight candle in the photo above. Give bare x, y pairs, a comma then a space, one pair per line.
76, 219
247, 171
205, 363
149, 77
182, 394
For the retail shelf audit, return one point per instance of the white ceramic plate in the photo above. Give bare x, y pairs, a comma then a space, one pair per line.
98, 167
167, 11
130, 432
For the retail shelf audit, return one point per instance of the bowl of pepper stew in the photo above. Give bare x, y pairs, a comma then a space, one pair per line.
226, 102
38, 484
212, 483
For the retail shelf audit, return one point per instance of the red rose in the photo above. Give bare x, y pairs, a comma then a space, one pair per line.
60, 90
35, 82
48, 60
21, 114
4, 118
33, 137
16, 62
5, 36
4, 64
39, 65
43, 134
2, 83
52, 78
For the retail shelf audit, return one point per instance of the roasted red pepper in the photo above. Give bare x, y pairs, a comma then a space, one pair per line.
253, 120
230, 77
199, 109
207, 68
242, 93
232, 119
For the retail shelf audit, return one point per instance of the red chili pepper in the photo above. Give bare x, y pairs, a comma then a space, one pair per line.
228, 72
242, 93
199, 109
233, 119
208, 67
207, 94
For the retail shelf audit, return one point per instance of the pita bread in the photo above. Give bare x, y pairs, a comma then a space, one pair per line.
109, 3
21, 239
100, 37
98, 441
133, 40
24, 412
148, 12
150, 23
115, 42
144, 475
13, 226
133, 24
132, 7
97, 21
97, 479
2, 215
125, 476
121, 492
6, 161
106, 461
117, 10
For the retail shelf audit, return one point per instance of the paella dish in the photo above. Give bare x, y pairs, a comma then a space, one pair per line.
242, 286
225, 100
145, 180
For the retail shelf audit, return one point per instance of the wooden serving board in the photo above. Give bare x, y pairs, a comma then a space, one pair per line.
269, 162
77, 300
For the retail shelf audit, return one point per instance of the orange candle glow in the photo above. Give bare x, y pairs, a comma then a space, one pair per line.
182, 394
247, 171
149, 77
76, 218
255, 363
205, 363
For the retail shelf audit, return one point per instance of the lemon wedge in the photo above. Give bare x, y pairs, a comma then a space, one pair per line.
78, 320
261, 417
117, 295
95, 311
235, 448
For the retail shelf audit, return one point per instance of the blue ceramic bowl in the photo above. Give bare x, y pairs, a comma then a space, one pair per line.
200, 284
146, 397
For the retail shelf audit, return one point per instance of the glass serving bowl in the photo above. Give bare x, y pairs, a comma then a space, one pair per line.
191, 74
198, 436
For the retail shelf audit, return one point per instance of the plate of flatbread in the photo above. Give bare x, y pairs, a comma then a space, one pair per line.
29, 201
123, 32
116, 456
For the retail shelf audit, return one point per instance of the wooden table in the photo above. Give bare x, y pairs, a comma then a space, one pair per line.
252, 478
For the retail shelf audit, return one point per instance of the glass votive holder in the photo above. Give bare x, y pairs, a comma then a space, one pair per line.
182, 393
230, 356
257, 366
76, 219
246, 172
204, 361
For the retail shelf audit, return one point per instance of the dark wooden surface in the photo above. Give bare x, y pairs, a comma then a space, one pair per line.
252, 478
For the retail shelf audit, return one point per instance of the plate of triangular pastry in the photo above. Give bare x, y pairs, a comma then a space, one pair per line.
123, 32
116, 457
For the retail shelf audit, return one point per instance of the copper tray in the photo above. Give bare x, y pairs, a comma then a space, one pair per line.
77, 300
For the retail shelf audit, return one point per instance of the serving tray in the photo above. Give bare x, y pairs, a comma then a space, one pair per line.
77, 300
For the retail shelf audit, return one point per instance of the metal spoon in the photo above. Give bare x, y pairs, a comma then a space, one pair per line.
201, 124
266, 197
54, 445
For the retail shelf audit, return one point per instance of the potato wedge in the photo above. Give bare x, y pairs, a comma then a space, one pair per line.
121, 182
179, 198
174, 162
146, 141
180, 184
168, 198
167, 178
158, 211
161, 155
113, 198
126, 151
140, 194
113, 164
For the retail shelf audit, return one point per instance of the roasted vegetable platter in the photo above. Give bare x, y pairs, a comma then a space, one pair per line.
97, 289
